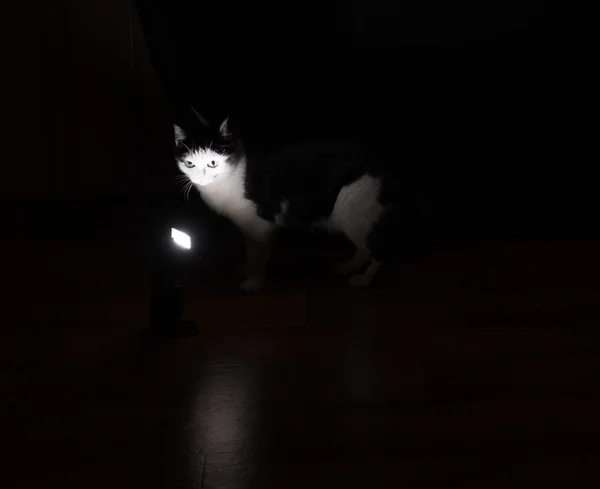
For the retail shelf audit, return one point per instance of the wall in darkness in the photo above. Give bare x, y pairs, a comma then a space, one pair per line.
25, 169
381, 25
490, 100
302, 58
412, 70
72, 104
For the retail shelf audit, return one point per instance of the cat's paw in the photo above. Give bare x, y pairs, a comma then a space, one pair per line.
360, 280
252, 285
343, 268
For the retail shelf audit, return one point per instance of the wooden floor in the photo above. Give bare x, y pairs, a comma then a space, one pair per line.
476, 366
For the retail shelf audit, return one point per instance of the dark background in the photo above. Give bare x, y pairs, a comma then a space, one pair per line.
492, 105
477, 366
495, 104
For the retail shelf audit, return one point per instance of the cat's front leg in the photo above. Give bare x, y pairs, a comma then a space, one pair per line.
361, 257
258, 252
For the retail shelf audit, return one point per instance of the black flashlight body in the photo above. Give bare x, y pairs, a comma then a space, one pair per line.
166, 306
166, 301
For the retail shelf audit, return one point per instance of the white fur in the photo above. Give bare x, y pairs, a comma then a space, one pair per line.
356, 209
179, 134
222, 188
280, 218
224, 128
202, 174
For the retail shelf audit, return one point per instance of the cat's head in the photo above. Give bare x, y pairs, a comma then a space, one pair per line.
208, 161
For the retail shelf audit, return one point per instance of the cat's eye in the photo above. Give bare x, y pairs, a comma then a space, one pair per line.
212, 164
189, 164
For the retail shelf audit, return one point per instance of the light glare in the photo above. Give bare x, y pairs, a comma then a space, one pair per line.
181, 238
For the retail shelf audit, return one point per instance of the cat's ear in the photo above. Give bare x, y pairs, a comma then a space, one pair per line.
180, 135
224, 129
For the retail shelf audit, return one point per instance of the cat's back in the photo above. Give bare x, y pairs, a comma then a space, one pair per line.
315, 166
304, 177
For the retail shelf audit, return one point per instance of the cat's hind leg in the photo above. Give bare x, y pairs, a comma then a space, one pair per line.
369, 243
364, 256
355, 213
365, 278
361, 258
382, 242
257, 257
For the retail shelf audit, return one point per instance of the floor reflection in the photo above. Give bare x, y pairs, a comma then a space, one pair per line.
221, 425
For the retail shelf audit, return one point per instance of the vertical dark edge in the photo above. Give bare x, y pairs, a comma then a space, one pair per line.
70, 164
135, 102
46, 94
54, 70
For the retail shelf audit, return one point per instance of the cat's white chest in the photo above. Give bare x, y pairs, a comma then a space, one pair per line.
226, 197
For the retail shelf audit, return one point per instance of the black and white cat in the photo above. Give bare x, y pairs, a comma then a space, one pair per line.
337, 185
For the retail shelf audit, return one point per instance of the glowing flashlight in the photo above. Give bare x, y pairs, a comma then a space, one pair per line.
181, 239
166, 307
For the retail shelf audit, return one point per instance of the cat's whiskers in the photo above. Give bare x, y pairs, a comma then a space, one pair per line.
187, 191
192, 187
184, 188
179, 180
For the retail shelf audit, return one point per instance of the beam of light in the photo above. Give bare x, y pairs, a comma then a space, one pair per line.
181, 239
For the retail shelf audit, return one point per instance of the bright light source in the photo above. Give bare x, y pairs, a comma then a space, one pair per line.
181, 238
